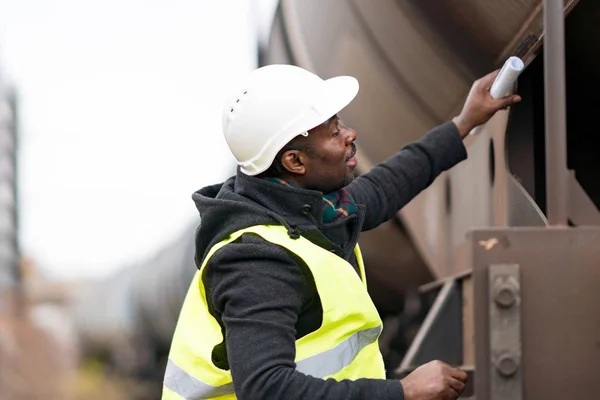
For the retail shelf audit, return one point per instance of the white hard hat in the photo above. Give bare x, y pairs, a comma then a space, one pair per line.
275, 104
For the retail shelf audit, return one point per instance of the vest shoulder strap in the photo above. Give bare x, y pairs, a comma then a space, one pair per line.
274, 234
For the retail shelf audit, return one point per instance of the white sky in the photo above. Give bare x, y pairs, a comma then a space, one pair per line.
120, 120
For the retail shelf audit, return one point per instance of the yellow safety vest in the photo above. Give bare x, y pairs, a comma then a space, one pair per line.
344, 347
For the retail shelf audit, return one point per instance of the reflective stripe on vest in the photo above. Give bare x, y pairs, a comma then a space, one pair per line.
320, 365
190, 387
343, 347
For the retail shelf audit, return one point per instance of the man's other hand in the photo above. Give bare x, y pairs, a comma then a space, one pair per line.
435, 380
480, 106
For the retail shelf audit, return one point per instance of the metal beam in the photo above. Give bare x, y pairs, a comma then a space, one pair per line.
440, 334
556, 114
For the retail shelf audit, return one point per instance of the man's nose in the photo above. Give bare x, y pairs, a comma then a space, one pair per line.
350, 136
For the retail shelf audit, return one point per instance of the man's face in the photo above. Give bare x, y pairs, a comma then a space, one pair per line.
331, 163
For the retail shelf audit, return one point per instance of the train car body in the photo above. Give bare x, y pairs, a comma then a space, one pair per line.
416, 62
483, 239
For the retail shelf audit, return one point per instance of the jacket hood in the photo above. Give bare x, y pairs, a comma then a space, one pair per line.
243, 201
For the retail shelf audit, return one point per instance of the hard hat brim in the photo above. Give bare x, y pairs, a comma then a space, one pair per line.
342, 89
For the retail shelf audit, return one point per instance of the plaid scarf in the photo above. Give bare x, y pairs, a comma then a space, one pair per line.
336, 205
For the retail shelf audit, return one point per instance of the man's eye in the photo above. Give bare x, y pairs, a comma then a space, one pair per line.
335, 133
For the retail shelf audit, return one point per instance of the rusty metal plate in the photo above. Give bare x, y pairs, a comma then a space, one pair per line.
560, 320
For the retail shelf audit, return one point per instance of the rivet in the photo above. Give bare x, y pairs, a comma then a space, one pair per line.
507, 365
505, 293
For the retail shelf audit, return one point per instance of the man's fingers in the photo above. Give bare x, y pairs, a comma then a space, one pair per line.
505, 102
487, 81
455, 384
452, 394
458, 374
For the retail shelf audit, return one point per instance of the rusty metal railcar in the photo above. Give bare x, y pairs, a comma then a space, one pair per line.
508, 239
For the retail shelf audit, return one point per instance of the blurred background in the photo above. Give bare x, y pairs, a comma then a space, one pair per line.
109, 120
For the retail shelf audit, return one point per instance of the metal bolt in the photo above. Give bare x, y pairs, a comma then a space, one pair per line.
505, 294
507, 365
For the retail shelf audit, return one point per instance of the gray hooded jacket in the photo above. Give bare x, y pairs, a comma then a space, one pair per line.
265, 298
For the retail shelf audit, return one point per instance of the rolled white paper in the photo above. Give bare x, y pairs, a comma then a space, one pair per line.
504, 83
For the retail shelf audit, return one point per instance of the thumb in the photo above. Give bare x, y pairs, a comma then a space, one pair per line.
507, 101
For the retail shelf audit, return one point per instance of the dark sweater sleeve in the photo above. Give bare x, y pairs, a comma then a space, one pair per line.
392, 184
258, 292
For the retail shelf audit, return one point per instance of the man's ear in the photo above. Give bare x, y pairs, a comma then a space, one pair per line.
293, 162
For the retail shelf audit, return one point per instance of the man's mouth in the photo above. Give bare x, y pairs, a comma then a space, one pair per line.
352, 152
351, 159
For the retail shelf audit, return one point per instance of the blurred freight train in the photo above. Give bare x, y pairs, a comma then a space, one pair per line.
128, 319
415, 62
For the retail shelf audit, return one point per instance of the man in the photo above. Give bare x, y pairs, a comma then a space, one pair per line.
279, 307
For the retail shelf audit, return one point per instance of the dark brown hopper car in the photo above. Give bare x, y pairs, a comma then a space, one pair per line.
503, 244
